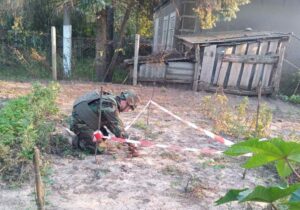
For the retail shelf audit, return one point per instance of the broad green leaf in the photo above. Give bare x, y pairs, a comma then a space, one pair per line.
295, 196
241, 147
289, 149
259, 160
264, 152
295, 155
269, 194
294, 205
231, 195
254, 146
283, 168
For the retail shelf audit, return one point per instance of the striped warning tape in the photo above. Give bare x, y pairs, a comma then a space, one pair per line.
190, 124
146, 143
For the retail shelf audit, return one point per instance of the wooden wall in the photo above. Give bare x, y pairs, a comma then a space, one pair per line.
239, 68
173, 72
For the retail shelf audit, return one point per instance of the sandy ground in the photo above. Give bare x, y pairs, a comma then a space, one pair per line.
159, 178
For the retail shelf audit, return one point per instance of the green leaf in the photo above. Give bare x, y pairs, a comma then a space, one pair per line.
269, 194
259, 160
295, 196
241, 147
283, 168
294, 205
254, 146
231, 195
264, 152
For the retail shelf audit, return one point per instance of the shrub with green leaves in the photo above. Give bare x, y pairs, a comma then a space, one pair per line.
239, 121
295, 99
285, 156
25, 122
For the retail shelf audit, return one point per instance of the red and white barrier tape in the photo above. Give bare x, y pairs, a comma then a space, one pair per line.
137, 117
190, 124
146, 143
206, 132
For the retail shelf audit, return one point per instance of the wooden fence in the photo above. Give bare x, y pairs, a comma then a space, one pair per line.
238, 68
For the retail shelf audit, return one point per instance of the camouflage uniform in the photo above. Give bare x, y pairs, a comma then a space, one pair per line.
85, 118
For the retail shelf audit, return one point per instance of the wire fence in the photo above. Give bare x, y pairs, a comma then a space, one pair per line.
29, 53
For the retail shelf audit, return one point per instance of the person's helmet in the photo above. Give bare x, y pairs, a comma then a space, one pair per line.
131, 97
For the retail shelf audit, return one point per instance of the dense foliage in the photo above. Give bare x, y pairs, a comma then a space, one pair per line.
212, 11
25, 122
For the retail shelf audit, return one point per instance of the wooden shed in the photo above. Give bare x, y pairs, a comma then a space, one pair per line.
237, 61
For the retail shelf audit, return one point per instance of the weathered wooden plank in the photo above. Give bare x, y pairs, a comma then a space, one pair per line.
143, 79
182, 65
180, 71
252, 50
236, 67
197, 68
219, 63
148, 71
251, 59
179, 77
269, 67
278, 70
223, 68
208, 63
142, 70
152, 70
161, 67
179, 81
231, 90
259, 70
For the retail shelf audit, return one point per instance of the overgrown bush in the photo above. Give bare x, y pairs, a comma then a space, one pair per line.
237, 121
25, 122
293, 98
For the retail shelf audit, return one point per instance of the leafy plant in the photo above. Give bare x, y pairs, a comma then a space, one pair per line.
25, 122
295, 99
284, 155
210, 12
239, 121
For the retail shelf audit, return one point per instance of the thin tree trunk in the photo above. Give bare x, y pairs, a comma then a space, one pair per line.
111, 66
110, 37
101, 41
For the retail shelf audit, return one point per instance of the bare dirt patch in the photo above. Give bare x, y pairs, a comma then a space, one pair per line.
159, 178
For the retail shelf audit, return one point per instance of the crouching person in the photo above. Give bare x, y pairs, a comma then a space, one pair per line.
85, 117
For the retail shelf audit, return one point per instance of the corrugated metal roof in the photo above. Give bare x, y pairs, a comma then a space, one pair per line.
230, 36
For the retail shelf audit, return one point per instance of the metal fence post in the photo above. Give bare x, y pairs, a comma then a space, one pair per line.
53, 50
136, 58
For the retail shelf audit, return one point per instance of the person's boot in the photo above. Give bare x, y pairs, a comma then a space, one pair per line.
133, 152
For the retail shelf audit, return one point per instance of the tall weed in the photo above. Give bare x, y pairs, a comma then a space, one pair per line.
238, 121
